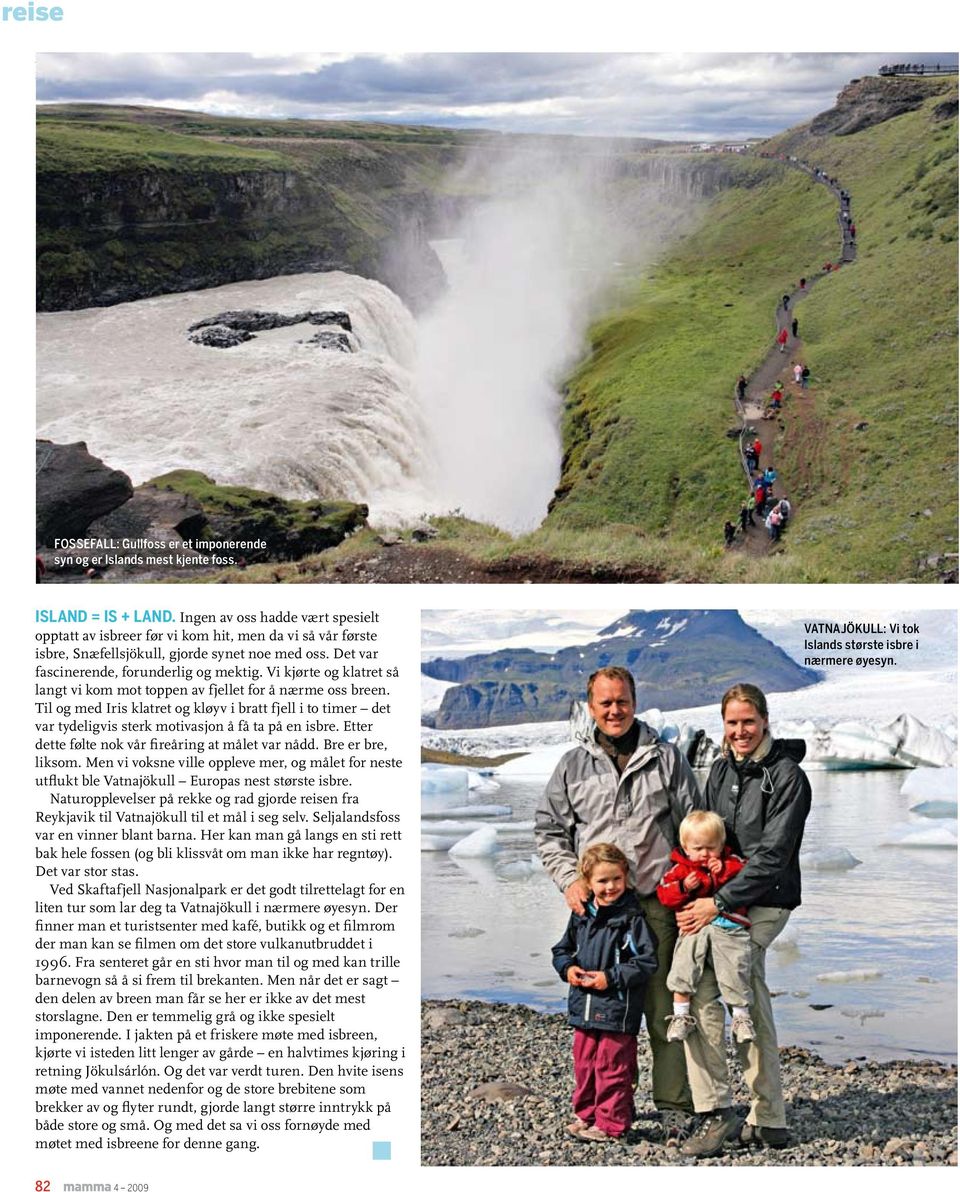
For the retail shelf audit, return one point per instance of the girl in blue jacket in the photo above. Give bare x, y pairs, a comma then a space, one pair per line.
606, 956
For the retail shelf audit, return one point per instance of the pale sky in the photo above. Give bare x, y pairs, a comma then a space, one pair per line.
668, 95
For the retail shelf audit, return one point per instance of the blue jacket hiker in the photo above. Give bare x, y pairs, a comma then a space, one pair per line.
617, 941
606, 956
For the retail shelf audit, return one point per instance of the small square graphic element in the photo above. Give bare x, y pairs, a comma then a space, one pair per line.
381, 1150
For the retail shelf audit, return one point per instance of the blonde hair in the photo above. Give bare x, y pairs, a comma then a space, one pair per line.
748, 693
706, 822
616, 673
602, 854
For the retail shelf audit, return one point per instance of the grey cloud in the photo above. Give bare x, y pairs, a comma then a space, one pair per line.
698, 95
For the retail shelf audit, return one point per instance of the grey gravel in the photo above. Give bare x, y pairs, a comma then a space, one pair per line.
497, 1082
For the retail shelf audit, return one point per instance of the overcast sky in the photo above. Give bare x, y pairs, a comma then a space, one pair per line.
682, 96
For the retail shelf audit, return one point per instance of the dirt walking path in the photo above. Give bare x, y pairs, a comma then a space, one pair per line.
758, 420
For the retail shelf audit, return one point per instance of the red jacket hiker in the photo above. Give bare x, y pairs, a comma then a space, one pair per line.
672, 894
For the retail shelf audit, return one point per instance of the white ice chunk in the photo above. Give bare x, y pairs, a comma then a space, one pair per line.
829, 858
482, 784
432, 692
436, 780
942, 835
482, 843
932, 783
787, 939
522, 868
921, 745
850, 745
473, 811
936, 809
437, 844
848, 976
454, 828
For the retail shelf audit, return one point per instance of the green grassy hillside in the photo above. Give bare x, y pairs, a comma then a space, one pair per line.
646, 413
135, 201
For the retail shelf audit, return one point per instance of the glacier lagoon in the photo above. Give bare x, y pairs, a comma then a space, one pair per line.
866, 966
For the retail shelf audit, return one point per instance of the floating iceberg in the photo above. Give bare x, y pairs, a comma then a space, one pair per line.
829, 858
482, 843
442, 787
522, 868
440, 836
468, 811
936, 809
932, 783
853, 745
482, 783
922, 836
437, 844
848, 976
921, 745
459, 828
787, 940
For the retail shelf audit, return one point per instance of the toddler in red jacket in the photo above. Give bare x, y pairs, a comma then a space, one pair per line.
701, 865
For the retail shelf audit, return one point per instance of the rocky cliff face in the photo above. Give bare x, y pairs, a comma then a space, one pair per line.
866, 102
678, 658
118, 224
105, 237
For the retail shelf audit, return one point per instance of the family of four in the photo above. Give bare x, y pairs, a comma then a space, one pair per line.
675, 897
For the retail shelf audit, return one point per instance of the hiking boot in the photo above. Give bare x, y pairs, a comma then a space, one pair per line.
595, 1134
675, 1126
742, 1029
773, 1136
715, 1129
681, 1027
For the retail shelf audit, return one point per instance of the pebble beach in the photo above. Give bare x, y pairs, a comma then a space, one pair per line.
497, 1081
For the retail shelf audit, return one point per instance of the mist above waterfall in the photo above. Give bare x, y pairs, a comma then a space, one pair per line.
461, 410
530, 264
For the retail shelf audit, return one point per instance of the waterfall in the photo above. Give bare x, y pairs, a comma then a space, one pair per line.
272, 413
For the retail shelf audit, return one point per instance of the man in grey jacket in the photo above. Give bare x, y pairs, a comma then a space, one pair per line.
623, 785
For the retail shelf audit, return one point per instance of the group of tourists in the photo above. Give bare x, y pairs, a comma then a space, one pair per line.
774, 512
674, 894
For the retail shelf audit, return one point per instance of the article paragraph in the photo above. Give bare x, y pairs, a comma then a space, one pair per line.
219, 879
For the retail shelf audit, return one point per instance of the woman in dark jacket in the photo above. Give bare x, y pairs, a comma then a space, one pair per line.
763, 797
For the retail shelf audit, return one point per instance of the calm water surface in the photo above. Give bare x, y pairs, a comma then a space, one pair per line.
890, 925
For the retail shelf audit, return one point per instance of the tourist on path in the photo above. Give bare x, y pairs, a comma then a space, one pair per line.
782, 338
746, 517
773, 522
750, 455
742, 387
794, 328
729, 533
797, 372
758, 789
621, 784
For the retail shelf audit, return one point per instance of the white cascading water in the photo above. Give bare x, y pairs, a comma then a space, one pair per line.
460, 411
495, 349
286, 417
